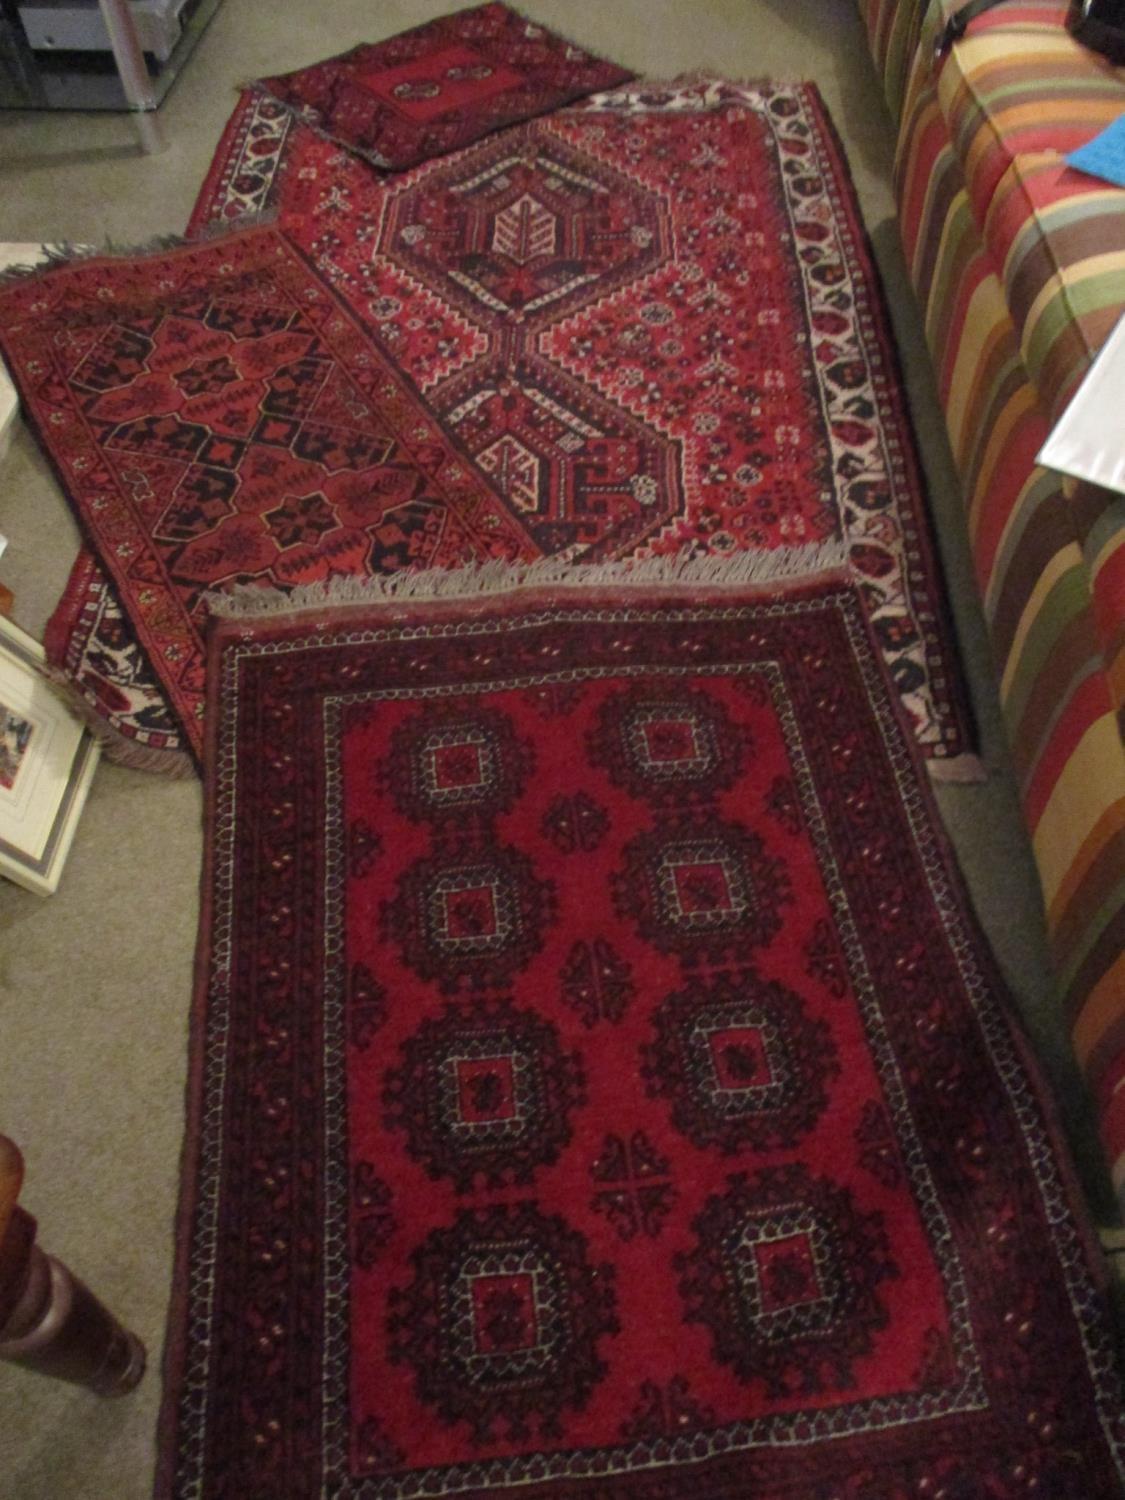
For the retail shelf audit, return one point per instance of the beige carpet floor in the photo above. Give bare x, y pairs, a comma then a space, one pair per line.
95, 982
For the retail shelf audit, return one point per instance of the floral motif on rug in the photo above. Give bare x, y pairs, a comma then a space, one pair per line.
653, 322
217, 416
440, 86
600, 1085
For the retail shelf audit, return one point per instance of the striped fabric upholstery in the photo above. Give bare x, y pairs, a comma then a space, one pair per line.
893, 28
1019, 264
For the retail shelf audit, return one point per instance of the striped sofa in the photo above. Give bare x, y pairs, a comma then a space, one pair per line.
1019, 266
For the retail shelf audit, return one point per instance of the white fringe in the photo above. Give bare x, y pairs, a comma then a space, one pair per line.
177, 765
58, 254
762, 569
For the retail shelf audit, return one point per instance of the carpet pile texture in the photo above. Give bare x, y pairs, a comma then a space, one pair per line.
652, 325
216, 415
585, 997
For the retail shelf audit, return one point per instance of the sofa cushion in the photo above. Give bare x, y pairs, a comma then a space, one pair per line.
1057, 237
1019, 83
1017, 94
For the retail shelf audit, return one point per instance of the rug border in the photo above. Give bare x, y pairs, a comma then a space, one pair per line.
173, 1357
202, 219
932, 560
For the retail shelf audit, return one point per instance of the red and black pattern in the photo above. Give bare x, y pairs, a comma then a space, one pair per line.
367, 1005
597, 983
575, 824
706, 889
455, 762
374, 1220
656, 739
218, 417
585, 303
442, 85
484, 1091
786, 1276
611, 1217
470, 914
587, 299
635, 1192
741, 1062
503, 1322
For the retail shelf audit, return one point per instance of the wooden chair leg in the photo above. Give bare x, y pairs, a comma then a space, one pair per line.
58, 1327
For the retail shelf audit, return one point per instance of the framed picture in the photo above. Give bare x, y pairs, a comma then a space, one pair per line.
47, 761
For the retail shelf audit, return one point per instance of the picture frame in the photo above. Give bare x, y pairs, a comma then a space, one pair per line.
47, 761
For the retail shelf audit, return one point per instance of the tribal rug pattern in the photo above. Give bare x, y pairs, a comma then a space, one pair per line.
653, 323
440, 86
585, 994
216, 416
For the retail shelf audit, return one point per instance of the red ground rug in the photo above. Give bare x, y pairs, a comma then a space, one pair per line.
216, 416
442, 85
653, 322
600, 1088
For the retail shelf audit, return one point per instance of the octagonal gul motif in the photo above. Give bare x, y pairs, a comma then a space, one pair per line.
469, 915
526, 226
502, 1322
662, 741
741, 1062
484, 1093
454, 760
784, 1274
702, 888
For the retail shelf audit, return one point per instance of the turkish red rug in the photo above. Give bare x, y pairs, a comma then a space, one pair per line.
600, 1086
442, 85
653, 322
217, 416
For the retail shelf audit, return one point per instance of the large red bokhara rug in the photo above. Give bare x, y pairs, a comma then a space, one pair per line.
654, 324
601, 1088
217, 416
442, 85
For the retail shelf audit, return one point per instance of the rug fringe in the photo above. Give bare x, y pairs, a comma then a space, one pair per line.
173, 765
963, 770
812, 562
119, 749
58, 254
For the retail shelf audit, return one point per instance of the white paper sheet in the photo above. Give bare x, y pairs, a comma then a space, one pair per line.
1088, 440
